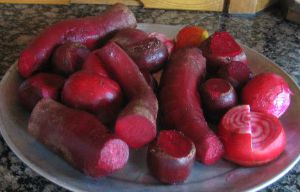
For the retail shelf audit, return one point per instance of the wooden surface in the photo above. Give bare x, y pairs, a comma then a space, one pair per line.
248, 6
36, 1
291, 10
109, 2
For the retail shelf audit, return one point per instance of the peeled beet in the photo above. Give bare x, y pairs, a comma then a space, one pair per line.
93, 64
79, 137
128, 36
94, 93
171, 156
69, 57
220, 49
268, 93
136, 124
41, 85
217, 96
149, 54
237, 73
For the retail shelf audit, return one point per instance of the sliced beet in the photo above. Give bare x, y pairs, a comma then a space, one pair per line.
171, 157
41, 85
217, 95
79, 137
236, 72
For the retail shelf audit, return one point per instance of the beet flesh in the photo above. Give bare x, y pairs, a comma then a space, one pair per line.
136, 124
79, 137
171, 156
41, 85
180, 103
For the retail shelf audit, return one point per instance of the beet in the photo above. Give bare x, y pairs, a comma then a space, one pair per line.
180, 103
136, 124
268, 93
94, 93
220, 49
150, 80
41, 85
237, 73
217, 96
149, 54
169, 43
171, 156
93, 64
69, 57
129, 36
78, 137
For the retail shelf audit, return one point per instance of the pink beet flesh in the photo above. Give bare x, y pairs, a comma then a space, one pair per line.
92, 92
136, 124
181, 106
267, 92
171, 156
41, 85
79, 137
88, 31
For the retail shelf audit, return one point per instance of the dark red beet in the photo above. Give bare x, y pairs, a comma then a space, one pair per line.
136, 124
129, 36
149, 54
88, 31
221, 49
94, 93
79, 137
169, 43
41, 85
171, 157
150, 80
237, 73
180, 103
93, 64
69, 57
217, 96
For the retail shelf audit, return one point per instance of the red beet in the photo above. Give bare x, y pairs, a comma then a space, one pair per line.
149, 54
220, 49
129, 36
69, 57
181, 106
171, 157
217, 96
237, 73
150, 80
136, 124
88, 31
94, 93
268, 93
251, 138
169, 43
93, 64
41, 85
79, 137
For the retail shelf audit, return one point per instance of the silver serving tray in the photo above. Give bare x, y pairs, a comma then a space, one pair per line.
223, 176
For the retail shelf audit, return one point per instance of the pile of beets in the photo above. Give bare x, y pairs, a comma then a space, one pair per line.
97, 86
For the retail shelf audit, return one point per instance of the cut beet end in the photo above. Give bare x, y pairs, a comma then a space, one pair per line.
223, 44
135, 130
171, 156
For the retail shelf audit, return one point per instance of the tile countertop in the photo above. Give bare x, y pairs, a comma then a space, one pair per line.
267, 33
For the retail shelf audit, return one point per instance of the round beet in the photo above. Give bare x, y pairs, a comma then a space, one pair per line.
69, 57
268, 93
171, 156
129, 36
149, 54
150, 80
169, 43
237, 73
217, 96
94, 93
41, 85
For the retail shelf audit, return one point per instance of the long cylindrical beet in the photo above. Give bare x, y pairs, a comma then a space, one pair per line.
181, 106
136, 124
171, 156
93, 64
88, 31
79, 137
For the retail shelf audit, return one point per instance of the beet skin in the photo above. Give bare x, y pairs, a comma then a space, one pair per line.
136, 124
79, 137
181, 106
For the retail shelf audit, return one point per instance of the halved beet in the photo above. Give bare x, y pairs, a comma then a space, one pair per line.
171, 157
268, 93
221, 49
236, 72
251, 138
217, 96
41, 85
